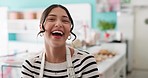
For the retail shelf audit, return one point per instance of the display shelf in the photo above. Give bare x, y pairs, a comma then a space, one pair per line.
23, 26
20, 46
23, 31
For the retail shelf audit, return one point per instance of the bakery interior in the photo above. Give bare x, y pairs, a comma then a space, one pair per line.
114, 31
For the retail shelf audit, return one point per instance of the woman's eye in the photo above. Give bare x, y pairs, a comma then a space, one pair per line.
50, 19
66, 21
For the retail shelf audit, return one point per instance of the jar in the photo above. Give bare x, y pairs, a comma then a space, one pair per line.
29, 15
15, 15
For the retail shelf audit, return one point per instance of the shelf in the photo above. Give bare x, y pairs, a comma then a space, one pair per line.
23, 26
23, 31
22, 20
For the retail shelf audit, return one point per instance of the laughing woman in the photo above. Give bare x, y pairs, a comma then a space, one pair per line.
59, 60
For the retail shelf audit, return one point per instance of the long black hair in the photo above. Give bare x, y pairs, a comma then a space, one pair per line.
48, 10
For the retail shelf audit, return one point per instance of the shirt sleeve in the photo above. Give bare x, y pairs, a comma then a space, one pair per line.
26, 71
90, 67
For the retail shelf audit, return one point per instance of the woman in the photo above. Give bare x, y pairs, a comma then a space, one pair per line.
59, 60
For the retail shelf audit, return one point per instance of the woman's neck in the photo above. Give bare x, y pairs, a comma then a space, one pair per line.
56, 55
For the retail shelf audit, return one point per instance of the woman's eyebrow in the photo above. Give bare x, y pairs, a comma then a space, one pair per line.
64, 16
51, 15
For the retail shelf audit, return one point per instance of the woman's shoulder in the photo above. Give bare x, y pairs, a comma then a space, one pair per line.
83, 54
33, 57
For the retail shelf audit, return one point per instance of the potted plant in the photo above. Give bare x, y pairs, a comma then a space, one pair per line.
105, 25
107, 28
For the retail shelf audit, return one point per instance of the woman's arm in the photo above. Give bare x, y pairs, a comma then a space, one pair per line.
26, 71
90, 68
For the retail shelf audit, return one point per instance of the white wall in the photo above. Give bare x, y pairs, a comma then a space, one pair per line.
139, 2
125, 22
3, 31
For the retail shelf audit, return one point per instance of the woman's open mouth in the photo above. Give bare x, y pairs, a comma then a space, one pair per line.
57, 34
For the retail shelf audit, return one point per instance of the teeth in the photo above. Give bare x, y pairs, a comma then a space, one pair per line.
57, 32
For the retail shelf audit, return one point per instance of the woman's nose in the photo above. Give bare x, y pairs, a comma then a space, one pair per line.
58, 23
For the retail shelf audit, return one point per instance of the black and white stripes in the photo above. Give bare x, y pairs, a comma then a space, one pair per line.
84, 65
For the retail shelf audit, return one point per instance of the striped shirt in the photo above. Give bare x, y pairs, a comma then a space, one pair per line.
85, 66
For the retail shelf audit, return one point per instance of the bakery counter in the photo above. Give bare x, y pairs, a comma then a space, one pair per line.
112, 67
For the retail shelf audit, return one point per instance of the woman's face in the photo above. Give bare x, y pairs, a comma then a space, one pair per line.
57, 27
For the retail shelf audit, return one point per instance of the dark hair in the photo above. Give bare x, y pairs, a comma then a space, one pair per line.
48, 10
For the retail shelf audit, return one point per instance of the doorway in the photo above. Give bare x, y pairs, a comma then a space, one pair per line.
141, 38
